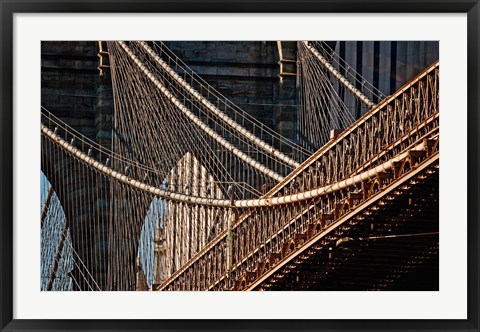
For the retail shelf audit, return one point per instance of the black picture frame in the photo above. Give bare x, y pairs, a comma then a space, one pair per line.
10, 7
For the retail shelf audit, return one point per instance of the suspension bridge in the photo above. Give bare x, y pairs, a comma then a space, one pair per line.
196, 194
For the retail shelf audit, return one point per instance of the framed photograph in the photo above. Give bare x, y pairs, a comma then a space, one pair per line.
239, 166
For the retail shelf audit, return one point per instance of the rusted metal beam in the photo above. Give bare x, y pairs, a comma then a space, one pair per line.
58, 256
375, 198
46, 206
104, 57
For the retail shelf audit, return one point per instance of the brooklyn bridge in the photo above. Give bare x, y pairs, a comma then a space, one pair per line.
239, 166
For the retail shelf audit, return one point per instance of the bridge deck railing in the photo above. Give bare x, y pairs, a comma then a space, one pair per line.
393, 127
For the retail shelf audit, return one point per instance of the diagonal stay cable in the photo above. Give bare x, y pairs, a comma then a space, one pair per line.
199, 123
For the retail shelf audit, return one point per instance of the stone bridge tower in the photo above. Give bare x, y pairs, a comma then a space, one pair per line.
259, 76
